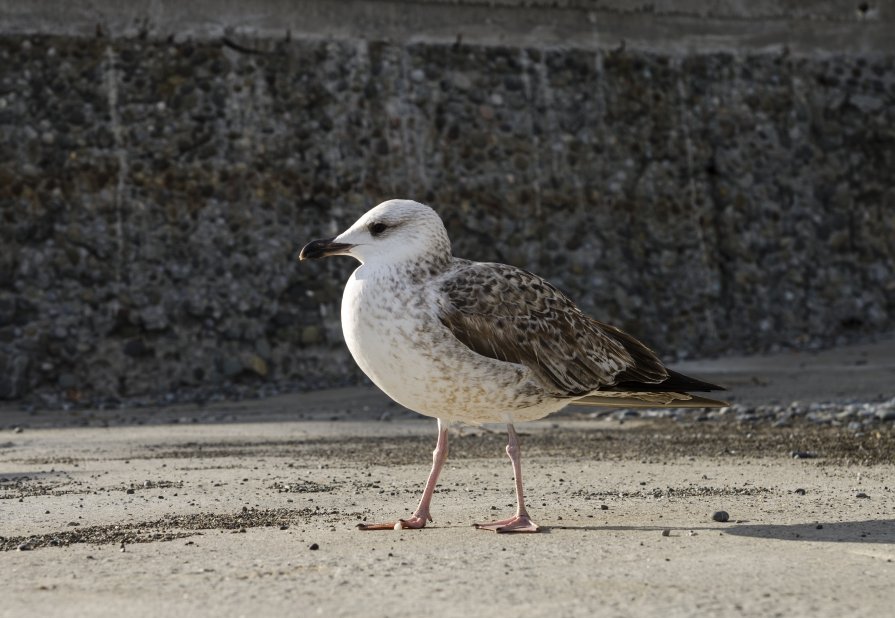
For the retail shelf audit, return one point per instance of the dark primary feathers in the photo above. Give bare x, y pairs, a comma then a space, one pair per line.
675, 382
509, 314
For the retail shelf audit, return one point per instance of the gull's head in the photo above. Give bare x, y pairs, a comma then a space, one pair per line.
394, 232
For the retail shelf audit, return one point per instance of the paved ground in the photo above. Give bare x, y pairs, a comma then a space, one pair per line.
215, 514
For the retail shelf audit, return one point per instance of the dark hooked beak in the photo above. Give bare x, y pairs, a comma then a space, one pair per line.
317, 249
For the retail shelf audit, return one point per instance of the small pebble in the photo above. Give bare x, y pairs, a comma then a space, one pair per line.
819, 527
666, 532
861, 494
129, 491
721, 516
24, 547
800, 491
313, 547
603, 507
19, 430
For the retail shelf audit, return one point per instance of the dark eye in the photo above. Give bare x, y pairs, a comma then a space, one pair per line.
378, 228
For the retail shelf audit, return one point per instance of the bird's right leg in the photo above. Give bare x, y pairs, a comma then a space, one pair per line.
520, 522
421, 515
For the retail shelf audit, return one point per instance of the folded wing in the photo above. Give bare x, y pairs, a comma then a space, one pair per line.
509, 314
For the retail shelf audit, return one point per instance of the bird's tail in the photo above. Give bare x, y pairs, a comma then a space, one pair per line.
634, 399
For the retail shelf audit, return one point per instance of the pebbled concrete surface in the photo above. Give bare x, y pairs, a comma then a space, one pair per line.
217, 517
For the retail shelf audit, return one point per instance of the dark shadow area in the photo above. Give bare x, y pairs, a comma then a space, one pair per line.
868, 531
863, 371
664, 439
13, 477
340, 404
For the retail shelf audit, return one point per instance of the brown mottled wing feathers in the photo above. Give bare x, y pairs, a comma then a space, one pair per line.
509, 314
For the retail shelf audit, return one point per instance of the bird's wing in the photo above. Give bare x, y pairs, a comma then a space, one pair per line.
509, 314
647, 399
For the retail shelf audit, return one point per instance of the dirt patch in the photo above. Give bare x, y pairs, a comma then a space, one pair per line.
27, 486
169, 528
50, 461
654, 440
677, 492
134, 487
301, 487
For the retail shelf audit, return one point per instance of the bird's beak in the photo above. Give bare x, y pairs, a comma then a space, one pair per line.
317, 249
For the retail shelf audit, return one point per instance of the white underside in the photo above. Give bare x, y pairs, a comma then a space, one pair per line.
404, 349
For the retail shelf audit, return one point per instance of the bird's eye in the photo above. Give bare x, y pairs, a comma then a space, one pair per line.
378, 228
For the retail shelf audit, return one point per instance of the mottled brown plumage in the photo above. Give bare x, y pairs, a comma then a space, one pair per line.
510, 314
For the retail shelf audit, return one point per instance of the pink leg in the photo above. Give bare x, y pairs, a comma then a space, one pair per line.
520, 522
421, 515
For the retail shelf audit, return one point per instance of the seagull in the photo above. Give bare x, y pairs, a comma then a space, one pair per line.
473, 342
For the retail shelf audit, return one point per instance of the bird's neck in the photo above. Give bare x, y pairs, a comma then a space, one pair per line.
414, 270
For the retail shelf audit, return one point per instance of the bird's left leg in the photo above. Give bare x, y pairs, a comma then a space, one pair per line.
520, 522
421, 515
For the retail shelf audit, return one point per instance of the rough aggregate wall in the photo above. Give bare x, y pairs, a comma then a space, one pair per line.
153, 196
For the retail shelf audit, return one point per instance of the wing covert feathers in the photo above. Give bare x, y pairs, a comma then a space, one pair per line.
512, 315
509, 314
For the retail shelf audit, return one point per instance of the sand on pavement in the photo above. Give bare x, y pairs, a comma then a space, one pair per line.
214, 511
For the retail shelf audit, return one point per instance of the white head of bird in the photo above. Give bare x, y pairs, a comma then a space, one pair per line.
393, 233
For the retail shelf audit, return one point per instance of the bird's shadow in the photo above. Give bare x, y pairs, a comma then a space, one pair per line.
867, 531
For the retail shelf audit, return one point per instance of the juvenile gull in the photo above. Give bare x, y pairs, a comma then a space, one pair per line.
480, 342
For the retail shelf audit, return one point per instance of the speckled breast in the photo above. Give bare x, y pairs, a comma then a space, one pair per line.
395, 337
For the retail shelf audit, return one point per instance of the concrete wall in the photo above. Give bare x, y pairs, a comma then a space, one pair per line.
729, 194
668, 26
